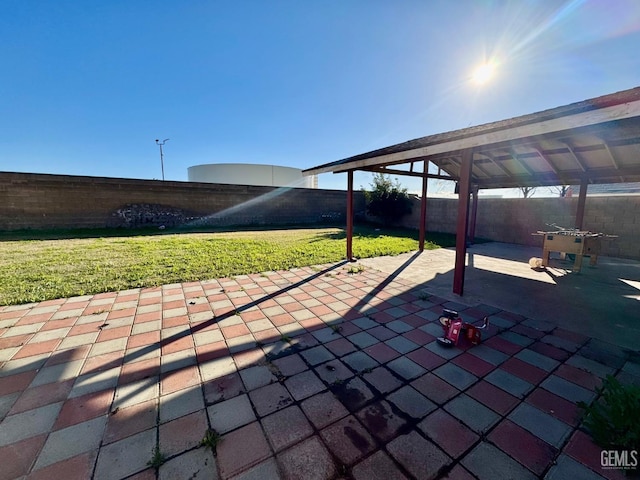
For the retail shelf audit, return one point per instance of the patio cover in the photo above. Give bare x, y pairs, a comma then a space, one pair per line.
593, 141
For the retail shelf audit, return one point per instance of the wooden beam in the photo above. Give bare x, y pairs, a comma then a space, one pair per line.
497, 164
514, 157
423, 207
350, 215
392, 171
463, 221
546, 160
616, 165
575, 157
555, 126
582, 200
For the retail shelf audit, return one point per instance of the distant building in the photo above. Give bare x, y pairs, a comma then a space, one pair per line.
251, 174
632, 188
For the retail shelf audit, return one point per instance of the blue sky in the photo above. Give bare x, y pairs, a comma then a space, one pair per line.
87, 86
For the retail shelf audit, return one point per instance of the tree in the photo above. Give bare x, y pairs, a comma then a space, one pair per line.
527, 191
560, 190
387, 200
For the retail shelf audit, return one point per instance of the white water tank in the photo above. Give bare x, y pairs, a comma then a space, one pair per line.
251, 174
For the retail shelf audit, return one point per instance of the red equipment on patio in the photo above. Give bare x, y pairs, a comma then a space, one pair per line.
456, 329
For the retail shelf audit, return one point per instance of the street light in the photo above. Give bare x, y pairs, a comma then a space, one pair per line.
160, 144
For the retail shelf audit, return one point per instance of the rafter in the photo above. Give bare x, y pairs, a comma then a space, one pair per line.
495, 162
546, 160
574, 156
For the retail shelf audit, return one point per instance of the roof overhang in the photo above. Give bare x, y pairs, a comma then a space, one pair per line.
596, 140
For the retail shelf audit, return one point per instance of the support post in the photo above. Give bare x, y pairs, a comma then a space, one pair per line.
463, 220
423, 207
350, 215
474, 214
582, 199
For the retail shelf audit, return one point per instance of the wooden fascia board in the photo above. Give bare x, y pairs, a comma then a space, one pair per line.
545, 127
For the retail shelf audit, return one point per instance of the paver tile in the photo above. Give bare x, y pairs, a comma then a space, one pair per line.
183, 433
79, 467
526, 448
317, 355
256, 377
340, 347
567, 390
490, 463
537, 359
456, 376
309, 460
28, 424
71, 441
233, 460
509, 383
377, 467
435, 388
180, 403
406, 368
411, 402
333, 371
19, 456
270, 398
125, 457
130, 420
290, 365
382, 380
566, 467
472, 413
286, 427
419, 456
230, 414
353, 394
582, 449
223, 388
304, 385
359, 361
488, 354
198, 463
544, 426
524, 370
348, 440
555, 406
80, 409
448, 433
493, 397
380, 421
401, 344
473, 364
323, 409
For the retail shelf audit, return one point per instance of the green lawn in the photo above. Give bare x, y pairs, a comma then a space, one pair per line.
37, 266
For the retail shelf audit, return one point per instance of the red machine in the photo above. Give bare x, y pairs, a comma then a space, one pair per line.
455, 329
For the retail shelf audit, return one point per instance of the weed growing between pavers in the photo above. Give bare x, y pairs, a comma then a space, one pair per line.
211, 439
613, 419
157, 458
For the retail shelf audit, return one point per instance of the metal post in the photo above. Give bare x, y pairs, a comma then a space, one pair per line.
582, 199
423, 207
463, 220
350, 215
160, 144
474, 214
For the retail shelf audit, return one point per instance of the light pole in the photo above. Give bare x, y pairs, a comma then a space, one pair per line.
160, 144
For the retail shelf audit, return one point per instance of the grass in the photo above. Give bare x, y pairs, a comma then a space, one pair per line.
34, 266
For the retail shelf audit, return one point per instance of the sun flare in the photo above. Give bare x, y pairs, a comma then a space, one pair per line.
483, 73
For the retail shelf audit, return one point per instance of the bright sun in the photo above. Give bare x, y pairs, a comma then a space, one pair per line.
483, 73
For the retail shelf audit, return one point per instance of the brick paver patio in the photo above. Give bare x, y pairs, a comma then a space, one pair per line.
312, 373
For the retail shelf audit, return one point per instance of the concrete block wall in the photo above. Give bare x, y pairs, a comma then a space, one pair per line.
513, 220
38, 201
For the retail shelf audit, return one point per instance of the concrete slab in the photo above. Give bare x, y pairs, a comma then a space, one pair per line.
498, 274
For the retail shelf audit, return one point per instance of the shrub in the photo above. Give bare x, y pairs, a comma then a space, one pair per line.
612, 420
387, 200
